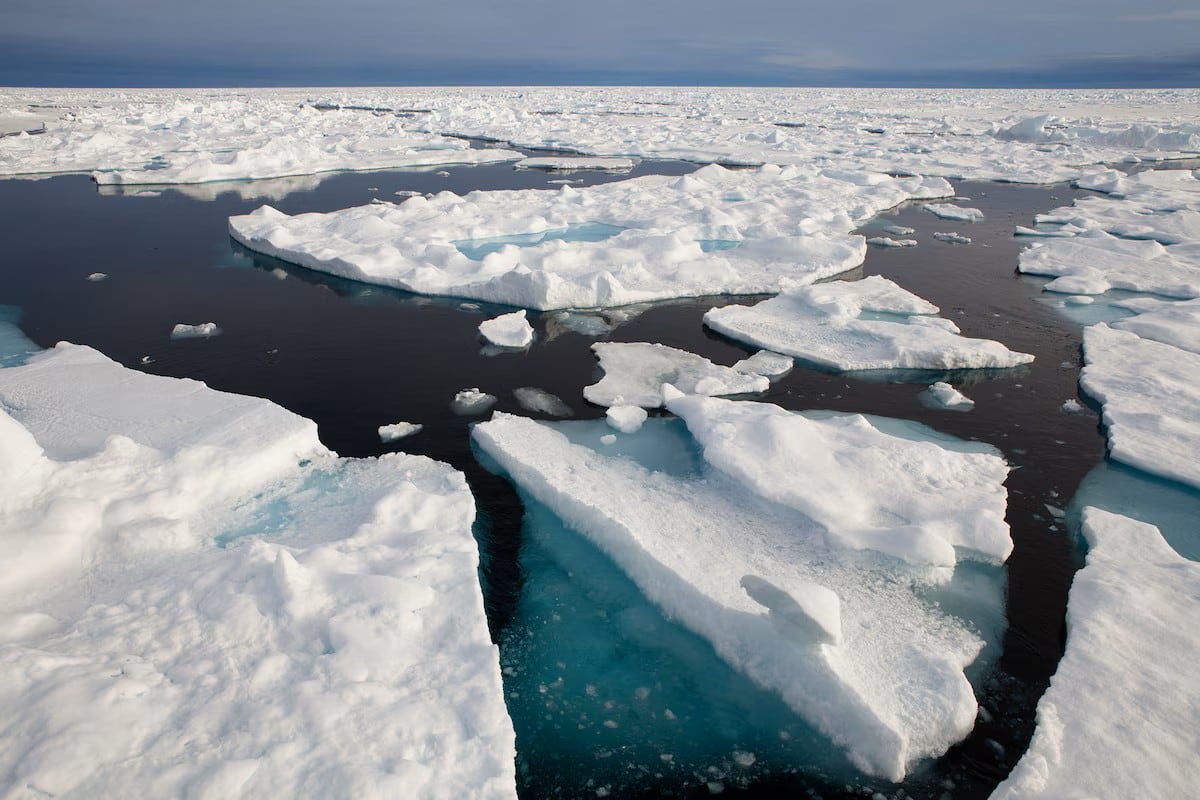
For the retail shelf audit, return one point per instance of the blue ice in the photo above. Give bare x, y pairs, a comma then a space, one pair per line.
478, 249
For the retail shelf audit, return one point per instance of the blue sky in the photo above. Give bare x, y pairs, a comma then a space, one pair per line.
751, 42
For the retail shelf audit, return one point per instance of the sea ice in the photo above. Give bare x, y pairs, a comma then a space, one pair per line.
1176, 323
899, 230
1095, 262
626, 419
634, 373
859, 325
97, 276
951, 211
398, 430
469, 402
715, 231
508, 330
201, 599
1150, 401
887, 241
832, 630
539, 401
204, 330
571, 163
764, 362
951, 237
943, 395
1122, 715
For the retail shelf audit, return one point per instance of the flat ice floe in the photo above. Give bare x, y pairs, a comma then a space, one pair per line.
859, 325
511, 330
1150, 400
572, 163
951, 211
943, 395
715, 231
199, 599
833, 630
1122, 715
634, 373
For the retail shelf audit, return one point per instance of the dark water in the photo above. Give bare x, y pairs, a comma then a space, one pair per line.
354, 357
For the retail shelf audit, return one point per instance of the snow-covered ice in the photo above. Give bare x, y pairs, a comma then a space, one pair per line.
887, 241
1173, 322
943, 395
951, 211
764, 362
199, 599
634, 373
832, 629
508, 330
951, 237
571, 163
470, 402
1122, 715
1150, 400
204, 330
398, 430
899, 230
715, 231
626, 419
859, 325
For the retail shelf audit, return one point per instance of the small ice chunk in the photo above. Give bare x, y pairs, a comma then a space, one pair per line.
1079, 300
636, 371
97, 276
568, 163
943, 395
626, 419
540, 401
764, 362
887, 241
508, 330
608, 438
899, 230
951, 211
469, 402
951, 237
398, 430
1072, 406
202, 331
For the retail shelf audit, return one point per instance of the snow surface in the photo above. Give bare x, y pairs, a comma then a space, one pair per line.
1122, 715
887, 241
951, 211
715, 231
764, 362
634, 373
199, 599
1150, 400
858, 325
508, 330
626, 419
398, 430
832, 630
571, 163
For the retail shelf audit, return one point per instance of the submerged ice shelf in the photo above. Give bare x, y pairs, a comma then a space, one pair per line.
832, 629
201, 599
715, 231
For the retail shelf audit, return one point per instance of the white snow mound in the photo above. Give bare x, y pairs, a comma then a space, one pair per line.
634, 373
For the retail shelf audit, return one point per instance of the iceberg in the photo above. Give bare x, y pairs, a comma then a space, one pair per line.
634, 373
859, 325
832, 629
510, 331
200, 599
715, 231
1122, 715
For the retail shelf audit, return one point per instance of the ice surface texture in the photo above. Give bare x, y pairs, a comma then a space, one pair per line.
199, 599
859, 325
511, 331
1122, 715
634, 373
834, 630
716, 231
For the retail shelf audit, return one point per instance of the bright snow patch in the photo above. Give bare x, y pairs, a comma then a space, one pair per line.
626, 419
764, 362
202, 331
943, 395
398, 430
571, 163
508, 330
1122, 715
950, 211
833, 630
1176, 323
635, 372
648, 238
859, 325
199, 598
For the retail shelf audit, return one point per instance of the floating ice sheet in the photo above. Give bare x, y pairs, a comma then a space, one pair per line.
859, 325
715, 231
1122, 715
199, 598
634, 373
951, 211
508, 330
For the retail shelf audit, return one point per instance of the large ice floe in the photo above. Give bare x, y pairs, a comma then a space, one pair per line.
715, 231
859, 325
199, 599
1122, 715
802, 549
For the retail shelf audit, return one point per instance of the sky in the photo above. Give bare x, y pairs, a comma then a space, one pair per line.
641, 42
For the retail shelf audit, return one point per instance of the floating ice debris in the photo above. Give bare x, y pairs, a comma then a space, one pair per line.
202, 331
1065, 232
899, 230
1129, 666
97, 276
1072, 406
764, 362
859, 325
188, 576
407, 193
626, 419
442, 173
398, 430
943, 395
887, 241
564, 181
508, 330
950, 211
833, 630
951, 237
1150, 401
469, 402
608, 438
566, 163
644, 239
539, 401
634, 373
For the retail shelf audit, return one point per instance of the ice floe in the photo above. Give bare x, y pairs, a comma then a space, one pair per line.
571, 163
899, 230
469, 402
887, 241
859, 325
832, 629
715, 231
1122, 715
626, 419
764, 362
204, 330
508, 330
398, 430
951, 211
634, 373
201, 599
1173, 322
943, 395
